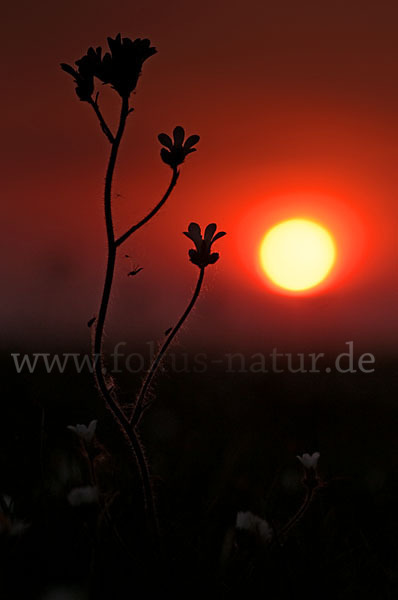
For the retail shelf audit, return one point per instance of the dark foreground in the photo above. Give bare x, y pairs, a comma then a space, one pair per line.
218, 443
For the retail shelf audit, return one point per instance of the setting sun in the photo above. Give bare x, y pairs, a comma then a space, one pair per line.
297, 254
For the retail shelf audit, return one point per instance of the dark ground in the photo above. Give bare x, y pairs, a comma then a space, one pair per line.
218, 443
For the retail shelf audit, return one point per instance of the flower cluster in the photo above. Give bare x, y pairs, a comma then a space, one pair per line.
120, 67
202, 255
84, 80
175, 149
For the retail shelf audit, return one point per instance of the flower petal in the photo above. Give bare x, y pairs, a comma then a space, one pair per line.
195, 230
178, 135
218, 235
92, 426
191, 141
114, 44
69, 70
194, 234
209, 232
193, 256
165, 140
166, 156
213, 258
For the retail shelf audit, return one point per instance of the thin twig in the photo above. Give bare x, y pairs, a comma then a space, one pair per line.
140, 407
152, 213
104, 126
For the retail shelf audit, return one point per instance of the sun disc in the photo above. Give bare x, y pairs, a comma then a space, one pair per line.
297, 254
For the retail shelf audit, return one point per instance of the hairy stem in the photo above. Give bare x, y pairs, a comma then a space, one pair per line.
130, 435
153, 212
139, 407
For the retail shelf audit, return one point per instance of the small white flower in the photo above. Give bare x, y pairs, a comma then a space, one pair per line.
309, 461
253, 524
85, 433
83, 495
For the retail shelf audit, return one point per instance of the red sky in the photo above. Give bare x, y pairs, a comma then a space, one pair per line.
295, 103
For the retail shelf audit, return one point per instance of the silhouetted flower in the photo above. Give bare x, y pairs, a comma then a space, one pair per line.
175, 151
203, 256
84, 80
85, 433
120, 67
309, 461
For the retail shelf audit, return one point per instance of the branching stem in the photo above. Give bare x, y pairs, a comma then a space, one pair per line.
104, 126
131, 437
129, 432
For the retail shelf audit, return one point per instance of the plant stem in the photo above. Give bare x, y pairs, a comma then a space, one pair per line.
131, 437
153, 212
104, 126
110, 267
300, 513
139, 407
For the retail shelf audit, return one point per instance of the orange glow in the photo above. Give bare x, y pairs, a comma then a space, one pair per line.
297, 254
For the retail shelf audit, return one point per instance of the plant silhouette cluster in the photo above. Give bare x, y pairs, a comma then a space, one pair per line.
120, 68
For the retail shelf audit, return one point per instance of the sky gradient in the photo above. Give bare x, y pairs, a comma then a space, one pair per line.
295, 104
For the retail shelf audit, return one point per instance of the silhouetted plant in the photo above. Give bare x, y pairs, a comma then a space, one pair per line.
120, 68
202, 257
